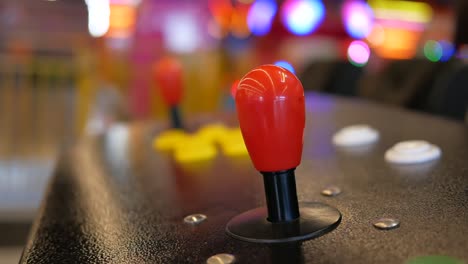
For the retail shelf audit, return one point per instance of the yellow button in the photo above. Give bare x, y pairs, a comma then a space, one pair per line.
167, 140
233, 144
194, 149
212, 132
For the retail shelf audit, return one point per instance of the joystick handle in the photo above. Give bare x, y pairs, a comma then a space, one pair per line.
271, 111
168, 75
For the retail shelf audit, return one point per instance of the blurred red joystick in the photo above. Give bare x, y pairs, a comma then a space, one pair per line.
271, 111
168, 73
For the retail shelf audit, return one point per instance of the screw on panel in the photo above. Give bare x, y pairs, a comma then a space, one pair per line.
195, 219
331, 190
221, 259
386, 223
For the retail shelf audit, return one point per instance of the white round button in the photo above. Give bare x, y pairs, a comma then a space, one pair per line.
356, 135
412, 152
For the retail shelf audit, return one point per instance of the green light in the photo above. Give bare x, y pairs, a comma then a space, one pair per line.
433, 50
355, 63
434, 260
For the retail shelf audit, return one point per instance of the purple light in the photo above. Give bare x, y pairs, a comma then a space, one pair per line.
358, 53
260, 16
357, 18
302, 17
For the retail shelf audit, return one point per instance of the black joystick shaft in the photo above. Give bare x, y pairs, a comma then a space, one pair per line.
281, 196
175, 117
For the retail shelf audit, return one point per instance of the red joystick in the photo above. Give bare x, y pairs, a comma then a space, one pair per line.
271, 111
168, 76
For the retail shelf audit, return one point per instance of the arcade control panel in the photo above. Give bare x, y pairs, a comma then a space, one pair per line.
298, 179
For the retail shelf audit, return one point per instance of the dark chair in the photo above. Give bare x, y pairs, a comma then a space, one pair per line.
440, 76
343, 79
399, 82
335, 77
449, 97
315, 75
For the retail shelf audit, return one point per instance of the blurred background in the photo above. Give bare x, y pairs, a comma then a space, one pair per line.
69, 67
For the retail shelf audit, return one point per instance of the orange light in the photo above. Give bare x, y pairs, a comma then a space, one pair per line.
214, 30
222, 11
239, 27
399, 26
122, 20
377, 36
398, 43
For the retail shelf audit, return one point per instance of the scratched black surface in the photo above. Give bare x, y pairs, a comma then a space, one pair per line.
113, 199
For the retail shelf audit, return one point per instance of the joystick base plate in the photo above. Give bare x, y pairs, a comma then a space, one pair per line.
316, 220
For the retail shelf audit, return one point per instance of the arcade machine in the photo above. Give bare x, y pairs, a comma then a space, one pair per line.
290, 176
309, 179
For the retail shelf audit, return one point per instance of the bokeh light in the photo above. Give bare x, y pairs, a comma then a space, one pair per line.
397, 43
121, 21
302, 17
448, 50
358, 53
260, 16
239, 26
358, 18
398, 10
376, 36
181, 33
286, 65
98, 17
433, 50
